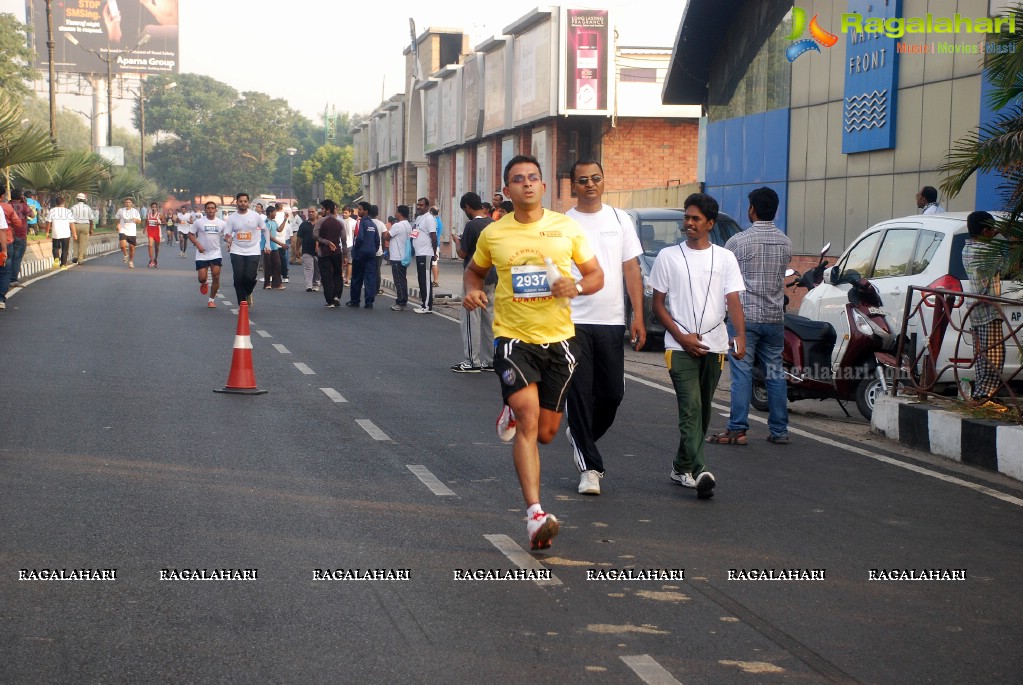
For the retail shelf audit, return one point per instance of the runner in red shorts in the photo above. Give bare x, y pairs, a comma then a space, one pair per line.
154, 222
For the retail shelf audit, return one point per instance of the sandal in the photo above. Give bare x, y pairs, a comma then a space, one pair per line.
728, 438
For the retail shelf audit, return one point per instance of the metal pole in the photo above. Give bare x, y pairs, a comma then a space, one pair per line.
52, 71
110, 104
142, 120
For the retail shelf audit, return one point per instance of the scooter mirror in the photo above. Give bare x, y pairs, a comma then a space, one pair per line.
835, 276
824, 250
790, 272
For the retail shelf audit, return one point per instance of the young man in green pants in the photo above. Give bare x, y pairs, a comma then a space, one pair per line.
702, 283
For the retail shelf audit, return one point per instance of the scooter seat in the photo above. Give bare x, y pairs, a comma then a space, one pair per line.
810, 330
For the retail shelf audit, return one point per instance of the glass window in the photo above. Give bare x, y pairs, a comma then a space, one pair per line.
861, 255
896, 250
926, 246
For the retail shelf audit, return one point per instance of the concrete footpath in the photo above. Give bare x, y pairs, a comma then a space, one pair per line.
931, 427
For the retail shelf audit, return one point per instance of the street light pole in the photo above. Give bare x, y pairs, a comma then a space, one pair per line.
291, 171
142, 122
52, 71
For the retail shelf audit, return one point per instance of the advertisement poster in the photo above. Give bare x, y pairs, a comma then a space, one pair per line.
586, 60
136, 37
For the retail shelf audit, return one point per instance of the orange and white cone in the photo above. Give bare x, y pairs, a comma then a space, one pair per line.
242, 378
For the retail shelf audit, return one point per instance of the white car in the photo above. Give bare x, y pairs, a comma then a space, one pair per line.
919, 250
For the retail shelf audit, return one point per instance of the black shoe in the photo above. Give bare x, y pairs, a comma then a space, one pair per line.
336, 301
705, 485
487, 367
368, 306
462, 367
354, 305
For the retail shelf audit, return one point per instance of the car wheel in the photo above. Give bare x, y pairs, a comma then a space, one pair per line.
867, 392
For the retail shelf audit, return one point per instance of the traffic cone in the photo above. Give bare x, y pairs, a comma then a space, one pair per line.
242, 378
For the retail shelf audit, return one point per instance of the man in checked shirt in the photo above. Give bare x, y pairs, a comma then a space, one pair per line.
763, 253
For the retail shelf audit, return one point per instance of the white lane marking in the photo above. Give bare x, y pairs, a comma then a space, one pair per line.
649, 671
281, 348
520, 557
304, 369
333, 394
372, 429
221, 296
866, 453
234, 311
431, 481
228, 304
263, 334
445, 316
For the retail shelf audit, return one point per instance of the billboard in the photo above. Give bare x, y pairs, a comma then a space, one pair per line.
136, 37
586, 60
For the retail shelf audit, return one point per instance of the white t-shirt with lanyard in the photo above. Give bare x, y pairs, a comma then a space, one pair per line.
60, 219
696, 282
183, 222
613, 238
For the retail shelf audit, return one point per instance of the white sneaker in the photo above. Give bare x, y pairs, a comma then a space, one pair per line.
506, 424
287, 281
541, 529
589, 482
422, 310
683, 479
705, 485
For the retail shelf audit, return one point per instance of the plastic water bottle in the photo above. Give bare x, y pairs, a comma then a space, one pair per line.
965, 388
553, 276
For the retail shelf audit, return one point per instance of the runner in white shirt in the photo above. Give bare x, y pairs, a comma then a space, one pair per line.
60, 224
284, 232
184, 228
244, 231
206, 235
349, 222
128, 219
598, 384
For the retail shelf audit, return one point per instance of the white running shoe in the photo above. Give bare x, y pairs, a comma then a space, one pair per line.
589, 482
541, 528
422, 310
683, 479
506, 424
705, 485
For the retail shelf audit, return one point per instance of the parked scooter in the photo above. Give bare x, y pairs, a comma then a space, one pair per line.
817, 363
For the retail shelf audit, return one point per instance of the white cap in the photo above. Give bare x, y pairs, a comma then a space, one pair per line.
81, 196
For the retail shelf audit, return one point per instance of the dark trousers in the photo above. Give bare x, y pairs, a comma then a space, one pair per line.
61, 246
272, 269
399, 274
364, 272
332, 278
244, 268
283, 252
597, 389
694, 380
15, 253
425, 280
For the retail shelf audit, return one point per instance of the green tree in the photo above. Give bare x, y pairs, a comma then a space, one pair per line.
75, 172
185, 108
331, 165
73, 132
21, 143
15, 58
998, 145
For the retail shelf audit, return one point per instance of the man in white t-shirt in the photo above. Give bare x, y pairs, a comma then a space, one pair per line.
284, 232
700, 281
598, 384
424, 242
60, 224
244, 231
349, 222
128, 220
206, 235
185, 218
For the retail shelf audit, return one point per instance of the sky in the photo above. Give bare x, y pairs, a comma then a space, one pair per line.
314, 53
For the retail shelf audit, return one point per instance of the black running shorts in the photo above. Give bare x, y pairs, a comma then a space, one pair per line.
550, 366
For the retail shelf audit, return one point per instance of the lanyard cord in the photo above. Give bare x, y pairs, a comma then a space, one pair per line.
692, 294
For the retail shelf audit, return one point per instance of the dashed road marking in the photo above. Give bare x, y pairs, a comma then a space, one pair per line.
263, 334
431, 481
304, 369
866, 453
233, 311
520, 557
649, 671
281, 348
333, 394
372, 429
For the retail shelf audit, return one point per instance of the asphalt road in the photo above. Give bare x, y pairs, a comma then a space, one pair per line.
116, 454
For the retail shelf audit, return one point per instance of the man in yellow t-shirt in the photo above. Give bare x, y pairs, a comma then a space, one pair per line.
533, 330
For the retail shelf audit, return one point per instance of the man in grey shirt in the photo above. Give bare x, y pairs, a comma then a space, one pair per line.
763, 252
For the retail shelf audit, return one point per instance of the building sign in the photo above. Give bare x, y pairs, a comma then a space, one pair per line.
871, 82
136, 37
586, 60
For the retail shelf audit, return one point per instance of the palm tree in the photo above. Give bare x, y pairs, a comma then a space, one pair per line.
998, 146
127, 182
21, 144
73, 172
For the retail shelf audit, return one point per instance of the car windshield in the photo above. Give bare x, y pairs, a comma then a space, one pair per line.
657, 234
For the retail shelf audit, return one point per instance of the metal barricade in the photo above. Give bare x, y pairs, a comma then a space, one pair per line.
919, 373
